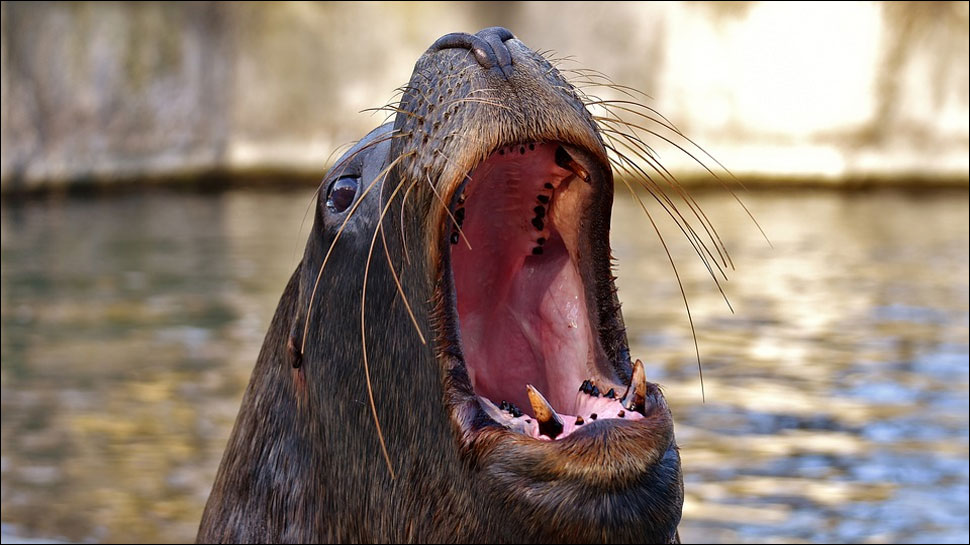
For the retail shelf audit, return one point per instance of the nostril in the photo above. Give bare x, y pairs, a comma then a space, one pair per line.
461, 40
496, 37
488, 47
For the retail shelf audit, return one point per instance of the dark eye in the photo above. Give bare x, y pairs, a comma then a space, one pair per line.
342, 192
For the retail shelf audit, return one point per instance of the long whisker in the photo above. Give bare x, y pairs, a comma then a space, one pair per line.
313, 196
667, 124
660, 119
683, 293
397, 280
404, 240
326, 258
480, 101
708, 169
631, 168
635, 144
389, 108
670, 126
590, 73
671, 179
690, 239
660, 195
589, 84
363, 313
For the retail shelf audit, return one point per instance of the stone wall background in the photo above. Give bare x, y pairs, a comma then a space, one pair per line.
98, 92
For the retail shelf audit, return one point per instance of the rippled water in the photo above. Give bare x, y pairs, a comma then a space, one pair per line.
836, 394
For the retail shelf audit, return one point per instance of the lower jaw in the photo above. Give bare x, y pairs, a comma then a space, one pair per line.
604, 456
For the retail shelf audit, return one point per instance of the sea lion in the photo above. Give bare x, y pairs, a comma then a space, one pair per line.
448, 362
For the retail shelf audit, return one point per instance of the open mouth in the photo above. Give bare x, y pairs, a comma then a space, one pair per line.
534, 291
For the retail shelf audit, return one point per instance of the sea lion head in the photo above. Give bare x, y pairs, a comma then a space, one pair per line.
458, 368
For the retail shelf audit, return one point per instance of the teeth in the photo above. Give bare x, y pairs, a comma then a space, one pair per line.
564, 160
510, 408
504, 416
590, 389
550, 424
579, 170
639, 386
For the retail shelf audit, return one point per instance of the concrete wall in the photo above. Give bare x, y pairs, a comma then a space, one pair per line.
115, 91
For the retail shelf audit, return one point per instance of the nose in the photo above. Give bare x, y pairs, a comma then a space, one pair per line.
488, 47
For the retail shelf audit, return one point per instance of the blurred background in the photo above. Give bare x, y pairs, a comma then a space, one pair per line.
158, 160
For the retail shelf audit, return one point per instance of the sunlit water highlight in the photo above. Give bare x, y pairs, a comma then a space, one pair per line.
837, 404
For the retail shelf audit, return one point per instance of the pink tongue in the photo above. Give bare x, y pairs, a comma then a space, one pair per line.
521, 304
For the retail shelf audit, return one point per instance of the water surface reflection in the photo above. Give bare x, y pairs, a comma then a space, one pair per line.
837, 405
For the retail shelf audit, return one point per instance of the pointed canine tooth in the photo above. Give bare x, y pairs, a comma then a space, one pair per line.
579, 170
565, 161
550, 424
639, 387
639, 380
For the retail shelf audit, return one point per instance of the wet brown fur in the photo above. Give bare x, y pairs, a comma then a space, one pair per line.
304, 461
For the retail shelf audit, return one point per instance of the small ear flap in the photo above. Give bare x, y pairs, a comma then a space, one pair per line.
296, 337
294, 353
